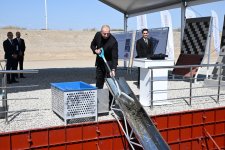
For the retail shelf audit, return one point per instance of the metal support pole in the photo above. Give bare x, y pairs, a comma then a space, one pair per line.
151, 89
46, 16
3, 90
183, 20
132, 52
125, 131
125, 22
125, 30
96, 119
211, 138
208, 48
191, 78
219, 83
4, 97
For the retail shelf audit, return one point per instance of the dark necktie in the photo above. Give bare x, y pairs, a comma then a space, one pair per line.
18, 41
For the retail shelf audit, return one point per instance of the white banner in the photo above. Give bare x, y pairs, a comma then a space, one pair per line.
190, 14
216, 34
141, 22
166, 21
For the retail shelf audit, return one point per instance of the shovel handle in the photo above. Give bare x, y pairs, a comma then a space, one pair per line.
103, 57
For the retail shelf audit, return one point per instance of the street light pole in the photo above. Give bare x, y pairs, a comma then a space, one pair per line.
46, 16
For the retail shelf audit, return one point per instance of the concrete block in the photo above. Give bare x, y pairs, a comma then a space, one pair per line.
103, 101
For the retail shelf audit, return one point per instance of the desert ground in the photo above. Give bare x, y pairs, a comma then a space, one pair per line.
44, 47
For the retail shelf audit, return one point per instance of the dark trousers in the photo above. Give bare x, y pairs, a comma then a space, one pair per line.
101, 74
20, 62
138, 77
11, 65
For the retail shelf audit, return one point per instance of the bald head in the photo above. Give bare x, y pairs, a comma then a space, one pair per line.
105, 27
105, 31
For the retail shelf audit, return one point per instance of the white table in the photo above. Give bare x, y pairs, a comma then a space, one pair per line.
159, 98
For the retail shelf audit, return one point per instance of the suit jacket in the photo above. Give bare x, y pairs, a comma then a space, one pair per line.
10, 49
110, 47
21, 45
143, 49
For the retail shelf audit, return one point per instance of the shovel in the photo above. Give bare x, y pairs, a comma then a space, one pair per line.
110, 71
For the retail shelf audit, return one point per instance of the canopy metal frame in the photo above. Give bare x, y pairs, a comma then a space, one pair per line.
133, 8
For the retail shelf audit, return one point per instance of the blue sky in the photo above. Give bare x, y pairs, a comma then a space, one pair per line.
85, 14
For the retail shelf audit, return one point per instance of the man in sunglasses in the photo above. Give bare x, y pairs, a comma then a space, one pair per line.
105, 40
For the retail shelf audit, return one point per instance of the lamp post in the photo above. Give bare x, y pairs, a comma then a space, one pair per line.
46, 16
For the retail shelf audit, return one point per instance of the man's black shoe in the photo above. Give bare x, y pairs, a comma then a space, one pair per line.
22, 77
9, 82
16, 75
14, 81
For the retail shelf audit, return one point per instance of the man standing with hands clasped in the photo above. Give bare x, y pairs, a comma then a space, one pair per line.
20, 47
143, 48
11, 57
105, 40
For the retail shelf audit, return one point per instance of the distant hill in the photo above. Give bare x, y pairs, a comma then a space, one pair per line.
55, 45
13, 27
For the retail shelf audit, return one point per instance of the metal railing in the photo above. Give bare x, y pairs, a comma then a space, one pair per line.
191, 78
4, 88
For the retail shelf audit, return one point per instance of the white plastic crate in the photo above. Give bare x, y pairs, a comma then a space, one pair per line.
75, 101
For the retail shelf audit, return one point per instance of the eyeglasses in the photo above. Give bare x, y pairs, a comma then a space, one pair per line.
145, 33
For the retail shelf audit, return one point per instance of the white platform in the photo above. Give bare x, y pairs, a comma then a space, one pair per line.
159, 97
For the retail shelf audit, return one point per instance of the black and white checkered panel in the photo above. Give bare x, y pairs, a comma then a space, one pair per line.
216, 70
222, 51
223, 38
195, 36
221, 58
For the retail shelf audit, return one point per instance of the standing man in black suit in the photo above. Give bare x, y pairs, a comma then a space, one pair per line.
105, 40
143, 45
11, 56
143, 48
20, 47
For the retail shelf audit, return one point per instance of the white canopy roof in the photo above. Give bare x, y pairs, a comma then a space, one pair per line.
137, 7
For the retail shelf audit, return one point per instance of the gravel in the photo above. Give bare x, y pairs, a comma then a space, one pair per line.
38, 112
